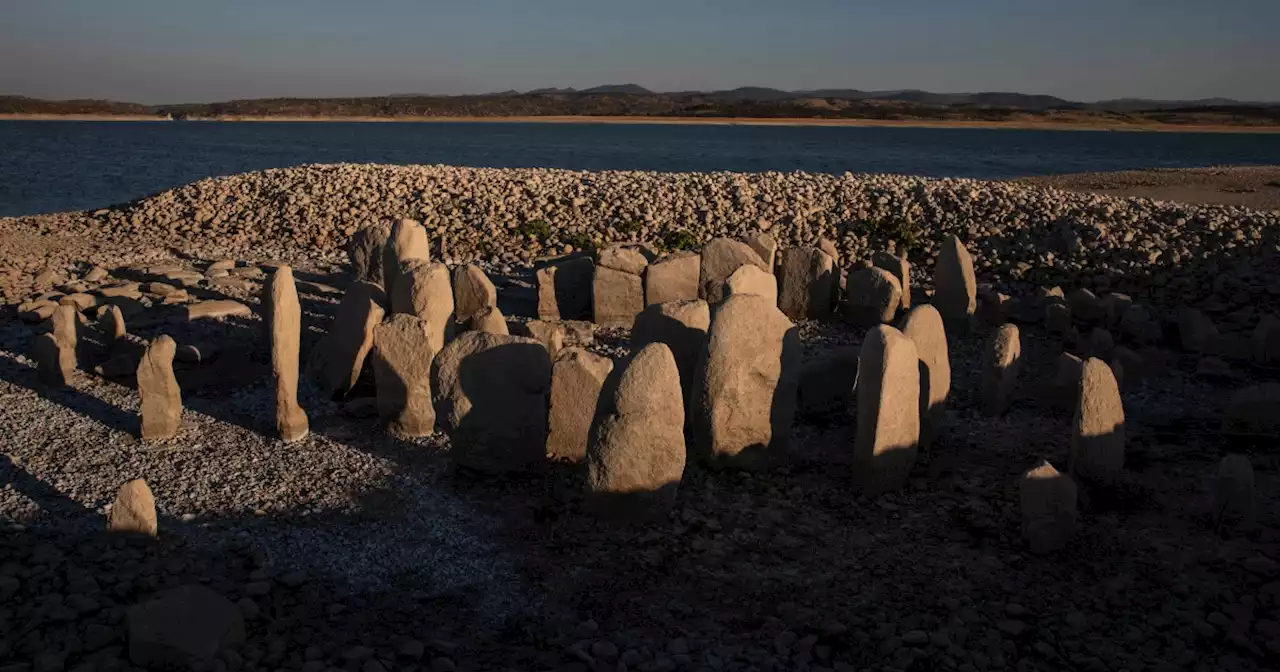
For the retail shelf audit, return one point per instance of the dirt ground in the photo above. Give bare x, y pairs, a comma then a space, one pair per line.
1256, 187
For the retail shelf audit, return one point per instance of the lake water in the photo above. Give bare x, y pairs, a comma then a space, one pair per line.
49, 166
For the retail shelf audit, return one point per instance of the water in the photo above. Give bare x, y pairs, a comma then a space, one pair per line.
50, 166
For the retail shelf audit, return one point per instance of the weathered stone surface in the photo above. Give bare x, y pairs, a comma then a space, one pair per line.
422, 289
283, 314
672, 278
1114, 306
551, 334
1233, 498
96, 274
491, 398
489, 320
66, 325
1266, 341
1097, 436
1197, 332
1100, 344
207, 310
1001, 361
580, 333
628, 258
872, 296
682, 327
185, 628
888, 413
472, 292
994, 308
806, 282
1141, 325
750, 279
564, 289
1254, 410
1049, 514
637, 454
617, 296
900, 268
748, 384
126, 289
827, 384
576, 380
407, 241
158, 388
923, 325
1085, 305
365, 250
1063, 391
111, 324
79, 301
37, 311
52, 364
765, 246
955, 285
1057, 316
134, 510
720, 258
403, 348
829, 247
340, 356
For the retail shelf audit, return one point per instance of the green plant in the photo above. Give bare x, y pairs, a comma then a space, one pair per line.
896, 228
581, 241
537, 229
629, 227
679, 240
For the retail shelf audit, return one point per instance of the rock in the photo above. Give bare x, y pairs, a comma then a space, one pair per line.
1001, 362
1233, 498
1057, 316
1049, 514
209, 310
403, 348
636, 458
1114, 306
283, 314
472, 292
196, 354
490, 321
829, 247
923, 325
1254, 410
491, 397
888, 410
160, 289
1085, 305
682, 327
765, 246
955, 285
53, 366
750, 279
827, 383
1140, 325
111, 324
994, 308
748, 384
340, 356
134, 510
1266, 341
37, 311
126, 290
617, 296
1195, 330
221, 265
900, 268
66, 332
406, 241
161, 406
564, 289
580, 333
1133, 364
79, 301
422, 289
672, 278
1064, 390
183, 628
1101, 344
623, 257
1097, 436
96, 274
549, 334
720, 258
806, 280
577, 376
366, 249
873, 296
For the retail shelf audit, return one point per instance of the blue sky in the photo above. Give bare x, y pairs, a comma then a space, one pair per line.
158, 51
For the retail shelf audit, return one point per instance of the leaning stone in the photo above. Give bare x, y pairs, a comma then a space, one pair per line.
365, 251
637, 455
617, 296
403, 348
407, 241
491, 397
900, 268
1000, 364
806, 280
158, 388
134, 510
1196, 331
766, 246
472, 292
202, 310
720, 258
625, 257
1141, 325
564, 289
340, 356
682, 327
748, 384
489, 320
827, 384
422, 289
751, 279
1097, 436
873, 296
1254, 411
549, 334
672, 278
1266, 341
1085, 305
955, 285
185, 628
1233, 499
576, 380
923, 325
1049, 514
283, 314
888, 410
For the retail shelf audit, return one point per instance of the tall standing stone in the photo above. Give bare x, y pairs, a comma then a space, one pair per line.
1097, 437
616, 296
766, 246
888, 416
66, 323
284, 318
53, 368
365, 251
577, 376
720, 258
923, 325
748, 384
473, 291
637, 456
340, 356
955, 287
873, 296
1049, 514
134, 510
672, 278
750, 279
564, 289
1001, 361
111, 324
900, 268
423, 290
158, 388
682, 327
805, 283
404, 346
406, 241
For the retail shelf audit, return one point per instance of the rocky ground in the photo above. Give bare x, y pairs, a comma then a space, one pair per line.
353, 550
1256, 187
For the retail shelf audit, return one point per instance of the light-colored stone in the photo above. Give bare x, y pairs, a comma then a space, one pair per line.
283, 315
1097, 436
407, 241
806, 281
672, 278
403, 348
472, 292
872, 296
96, 274
161, 398
577, 378
750, 279
1233, 494
214, 309
134, 510
79, 301
1001, 362
766, 246
888, 410
340, 356
185, 628
551, 334
900, 268
616, 297
564, 289
955, 286
720, 258
682, 327
366, 249
1049, 513
422, 289
489, 320
628, 258
923, 325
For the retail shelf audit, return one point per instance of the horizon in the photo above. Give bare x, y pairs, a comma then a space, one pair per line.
159, 53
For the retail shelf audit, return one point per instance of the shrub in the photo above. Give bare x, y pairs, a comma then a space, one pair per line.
629, 227
679, 240
537, 229
581, 241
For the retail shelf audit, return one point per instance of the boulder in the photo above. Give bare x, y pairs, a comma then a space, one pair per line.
564, 289
184, 628
672, 278
1266, 341
1140, 325
134, 510
422, 289
750, 279
1085, 305
616, 298
1097, 436
682, 327
365, 250
550, 334
923, 325
1254, 410
1196, 331
1049, 514
872, 296
406, 241
888, 410
403, 348
1100, 344
900, 268
1114, 306
472, 292
806, 283
158, 388
283, 314
577, 376
827, 384
489, 320
625, 257
765, 246
111, 324
52, 364
720, 258
212, 310
955, 285
1001, 361
340, 356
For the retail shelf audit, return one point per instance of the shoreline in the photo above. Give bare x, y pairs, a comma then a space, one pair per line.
684, 121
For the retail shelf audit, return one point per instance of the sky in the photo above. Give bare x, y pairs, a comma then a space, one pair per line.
170, 51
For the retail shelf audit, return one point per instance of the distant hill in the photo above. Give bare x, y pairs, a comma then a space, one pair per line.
630, 89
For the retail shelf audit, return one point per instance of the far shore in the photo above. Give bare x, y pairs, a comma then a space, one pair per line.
1046, 125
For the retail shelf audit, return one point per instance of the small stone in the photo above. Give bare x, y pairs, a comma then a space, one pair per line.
1049, 514
1000, 365
751, 279
550, 334
488, 320
625, 257
218, 308
873, 296
1098, 437
134, 510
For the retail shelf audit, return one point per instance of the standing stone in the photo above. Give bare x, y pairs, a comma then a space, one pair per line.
748, 384
1233, 499
576, 380
403, 348
365, 250
682, 327
550, 334
617, 296
406, 241
66, 323
1049, 514
1266, 341
1085, 305
1064, 389
900, 268
636, 458
888, 414
489, 320
829, 247
52, 366
111, 324
1097, 437
158, 388
472, 292
751, 279
423, 290
1000, 364
134, 510
994, 307
340, 356
828, 383
672, 278
720, 258
766, 246
1100, 344
284, 318
1057, 316
873, 296
564, 289
1141, 325
955, 286
491, 397
805, 283
1197, 332
1114, 306
923, 325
